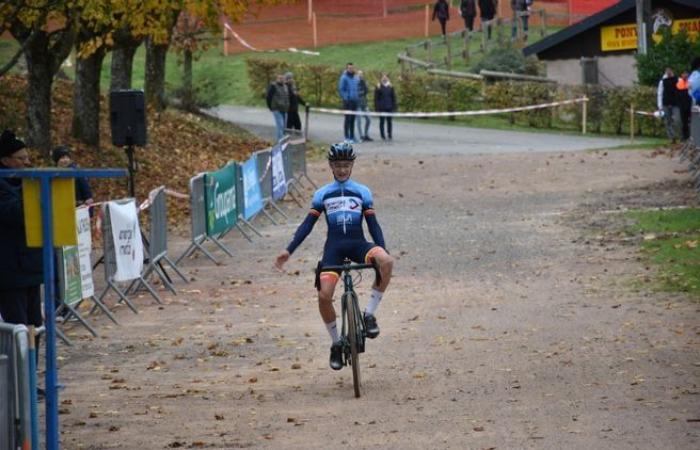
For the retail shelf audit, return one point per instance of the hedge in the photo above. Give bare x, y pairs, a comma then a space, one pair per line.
608, 108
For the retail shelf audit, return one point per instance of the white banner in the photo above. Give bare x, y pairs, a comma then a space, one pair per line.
82, 218
126, 235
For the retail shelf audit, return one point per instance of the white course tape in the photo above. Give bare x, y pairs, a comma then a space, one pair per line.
250, 47
652, 114
452, 113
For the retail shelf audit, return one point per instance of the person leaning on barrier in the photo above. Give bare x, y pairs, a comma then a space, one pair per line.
385, 101
293, 119
21, 268
278, 104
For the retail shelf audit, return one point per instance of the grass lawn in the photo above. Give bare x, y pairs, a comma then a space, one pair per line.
671, 244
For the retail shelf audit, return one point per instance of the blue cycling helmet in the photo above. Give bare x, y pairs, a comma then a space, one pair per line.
342, 151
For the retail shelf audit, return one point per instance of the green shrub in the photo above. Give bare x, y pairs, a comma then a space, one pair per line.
674, 50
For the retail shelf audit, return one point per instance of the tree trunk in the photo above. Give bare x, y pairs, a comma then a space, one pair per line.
86, 99
123, 60
187, 90
40, 80
155, 74
44, 56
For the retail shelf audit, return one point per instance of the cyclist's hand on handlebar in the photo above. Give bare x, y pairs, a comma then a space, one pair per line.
281, 259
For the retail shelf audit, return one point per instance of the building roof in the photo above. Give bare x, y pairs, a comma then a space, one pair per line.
591, 22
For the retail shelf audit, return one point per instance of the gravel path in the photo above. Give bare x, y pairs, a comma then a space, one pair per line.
509, 324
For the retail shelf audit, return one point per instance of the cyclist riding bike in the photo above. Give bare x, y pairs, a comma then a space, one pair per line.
345, 202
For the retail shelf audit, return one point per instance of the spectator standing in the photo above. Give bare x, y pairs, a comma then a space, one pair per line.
362, 91
21, 268
278, 104
667, 101
685, 102
293, 119
441, 10
385, 101
521, 12
61, 156
347, 89
467, 9
487, 11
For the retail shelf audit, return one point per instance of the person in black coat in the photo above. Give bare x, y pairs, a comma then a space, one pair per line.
293, 119
441, 10
21, 268
385, 101
467, 8
487, 11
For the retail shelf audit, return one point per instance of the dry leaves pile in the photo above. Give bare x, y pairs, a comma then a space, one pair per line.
180, 145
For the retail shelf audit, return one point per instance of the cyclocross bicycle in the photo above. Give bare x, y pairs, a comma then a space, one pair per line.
353, 331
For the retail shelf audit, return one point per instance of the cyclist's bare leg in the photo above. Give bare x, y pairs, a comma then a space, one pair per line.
386, 265
325, 300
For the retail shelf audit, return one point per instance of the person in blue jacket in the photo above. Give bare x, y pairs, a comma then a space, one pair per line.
348, 91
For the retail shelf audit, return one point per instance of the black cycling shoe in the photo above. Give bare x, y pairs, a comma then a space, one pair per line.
336, 360
371, 327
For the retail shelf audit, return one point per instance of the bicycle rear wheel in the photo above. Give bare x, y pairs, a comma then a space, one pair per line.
354, 337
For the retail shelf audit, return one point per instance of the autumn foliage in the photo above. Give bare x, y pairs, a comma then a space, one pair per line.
179, 146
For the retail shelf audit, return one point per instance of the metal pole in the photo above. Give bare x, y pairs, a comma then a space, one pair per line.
584, 117
51, 378
34, 413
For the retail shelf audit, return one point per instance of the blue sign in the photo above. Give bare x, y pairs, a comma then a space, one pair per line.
252, 194
279, 181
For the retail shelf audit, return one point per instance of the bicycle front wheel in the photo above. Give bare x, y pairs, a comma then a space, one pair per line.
354, 339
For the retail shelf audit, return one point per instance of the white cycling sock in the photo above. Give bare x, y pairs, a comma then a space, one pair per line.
332, 328
374, 300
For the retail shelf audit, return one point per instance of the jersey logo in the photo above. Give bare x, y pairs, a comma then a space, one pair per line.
339, 204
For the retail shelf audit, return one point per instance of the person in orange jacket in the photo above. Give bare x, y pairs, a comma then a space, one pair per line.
685, 102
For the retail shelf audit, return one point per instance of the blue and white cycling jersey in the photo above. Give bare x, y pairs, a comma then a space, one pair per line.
345, 205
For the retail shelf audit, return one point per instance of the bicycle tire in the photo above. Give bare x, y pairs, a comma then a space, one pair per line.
353, 340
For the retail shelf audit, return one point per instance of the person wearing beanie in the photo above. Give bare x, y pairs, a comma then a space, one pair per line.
83, 194
293, 119
21, 268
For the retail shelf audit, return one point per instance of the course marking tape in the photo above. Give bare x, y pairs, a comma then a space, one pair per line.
451, 113
250, 47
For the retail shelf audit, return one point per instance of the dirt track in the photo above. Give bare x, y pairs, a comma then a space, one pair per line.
509, 324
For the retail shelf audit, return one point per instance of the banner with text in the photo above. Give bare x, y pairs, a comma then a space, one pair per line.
252, 194
279, 181
126, 236
77, 266
220, 199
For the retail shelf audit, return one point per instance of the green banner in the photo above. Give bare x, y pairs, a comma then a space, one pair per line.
220, 197
72, 290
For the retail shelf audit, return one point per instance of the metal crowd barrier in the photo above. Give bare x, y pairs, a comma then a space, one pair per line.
263, 159
110, 263
15, 410
198, 222
157, 244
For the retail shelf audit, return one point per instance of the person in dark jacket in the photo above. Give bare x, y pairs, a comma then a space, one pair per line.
667, 101
362, 106
83, 194
487, 11
441, 10
293, 119
278, 104
21, 268
467, 9
385, 101
685, 103
521, 13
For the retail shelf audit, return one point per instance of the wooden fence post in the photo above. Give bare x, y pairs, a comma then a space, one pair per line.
632, 122
543, 22
315, 29
584, 115
448, 58
467, 37
427, 19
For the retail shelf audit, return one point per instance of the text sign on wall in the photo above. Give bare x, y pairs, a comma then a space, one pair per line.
624, 36
618, 37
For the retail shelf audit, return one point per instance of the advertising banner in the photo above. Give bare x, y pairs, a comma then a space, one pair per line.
82, 217
252, 194
63, 208
220, 198
126, 235
279, 181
